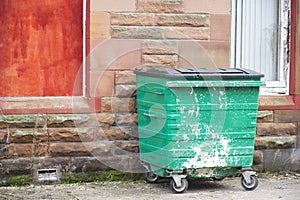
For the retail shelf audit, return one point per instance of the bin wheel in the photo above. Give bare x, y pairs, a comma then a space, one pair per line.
150, 177
253, 182
218, 178
182, 188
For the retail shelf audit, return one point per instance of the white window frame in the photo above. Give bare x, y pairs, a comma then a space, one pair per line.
272, 87
84, 29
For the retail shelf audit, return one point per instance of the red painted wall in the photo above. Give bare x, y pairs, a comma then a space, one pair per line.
40, 47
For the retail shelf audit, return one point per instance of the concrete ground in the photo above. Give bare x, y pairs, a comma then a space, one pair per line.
270, 187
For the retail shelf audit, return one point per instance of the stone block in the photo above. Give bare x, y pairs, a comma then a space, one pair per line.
116, 54
3, 142
131, 131
128, 162
158, 6
64, 135
3, 152
71, 134
74, 134
193, 20
86, 164
258, 157
194, 33
125, 90
166, 60
193, 54
99, 25
159, 47
128, 61
105, 119
287, 116
101, 83
119, 133
3, 135
68, 164
3, 125
29, 135
60, 163
106, 104
133, 19
79, 148
92, 44
220, 28
276, 129
128, 32
126, 147
113, 6
123, 105
280, 100
298, 136
115, 133
265, 116
207, 6
125, 78
100, 147
272, 142
282, 159
23, 121
70, 120
127, 119
27, 150
15, 166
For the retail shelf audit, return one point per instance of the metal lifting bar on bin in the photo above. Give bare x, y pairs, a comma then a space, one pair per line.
197, 123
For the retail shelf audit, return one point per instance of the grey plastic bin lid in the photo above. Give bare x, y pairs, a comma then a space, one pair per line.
163, 72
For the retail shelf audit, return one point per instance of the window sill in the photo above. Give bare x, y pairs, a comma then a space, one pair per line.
279, 102
64, 105
48, 105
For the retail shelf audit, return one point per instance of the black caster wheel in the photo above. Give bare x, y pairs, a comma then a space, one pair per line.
218, 178
184, 186
252, 184
150, 177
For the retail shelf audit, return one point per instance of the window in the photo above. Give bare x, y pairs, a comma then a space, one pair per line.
41, 47
260, 40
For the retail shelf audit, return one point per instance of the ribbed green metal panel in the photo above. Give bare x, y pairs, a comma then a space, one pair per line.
195, 123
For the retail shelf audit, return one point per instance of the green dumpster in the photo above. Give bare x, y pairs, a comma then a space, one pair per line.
198, 123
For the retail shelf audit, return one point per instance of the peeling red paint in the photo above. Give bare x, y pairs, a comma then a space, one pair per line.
40, 47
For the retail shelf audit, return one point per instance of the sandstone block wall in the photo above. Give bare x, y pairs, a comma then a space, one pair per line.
170, 33
177, 33
277, 141
124, 34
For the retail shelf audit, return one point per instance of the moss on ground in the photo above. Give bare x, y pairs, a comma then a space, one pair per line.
103, 176
68, 178
19, 180
110, 176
